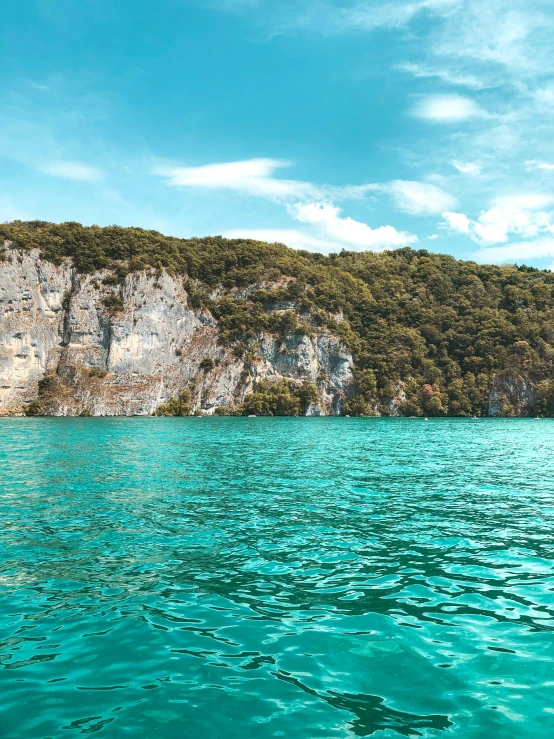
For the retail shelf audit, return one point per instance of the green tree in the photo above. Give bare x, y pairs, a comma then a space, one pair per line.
272, 399
179, 406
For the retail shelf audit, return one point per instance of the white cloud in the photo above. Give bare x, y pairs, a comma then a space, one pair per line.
327, 221
291, 237
471, 168
225, 174
531, 164
312, 204
447, 109
325, 229
526, 201
329, 232
71, 170
457, 222
251, 177
545, 96
518, 252
522, 215
256, 177
419, 198
495, 225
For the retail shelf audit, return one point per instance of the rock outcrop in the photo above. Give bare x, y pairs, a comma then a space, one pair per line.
511, 395
85, 345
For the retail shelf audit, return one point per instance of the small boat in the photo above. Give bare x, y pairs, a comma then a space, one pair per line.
252, 416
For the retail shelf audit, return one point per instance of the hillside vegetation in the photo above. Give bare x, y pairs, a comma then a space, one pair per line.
444, 330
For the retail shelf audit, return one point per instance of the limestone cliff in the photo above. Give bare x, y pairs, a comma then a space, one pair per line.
85, 345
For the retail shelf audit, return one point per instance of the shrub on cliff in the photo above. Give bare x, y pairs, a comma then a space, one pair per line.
206, 364
113, 303
46, 388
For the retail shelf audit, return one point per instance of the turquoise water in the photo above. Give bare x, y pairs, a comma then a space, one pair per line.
276, 578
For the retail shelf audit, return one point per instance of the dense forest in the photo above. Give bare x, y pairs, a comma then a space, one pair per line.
440, 328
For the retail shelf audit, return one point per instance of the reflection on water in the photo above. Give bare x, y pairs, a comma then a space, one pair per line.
276, 577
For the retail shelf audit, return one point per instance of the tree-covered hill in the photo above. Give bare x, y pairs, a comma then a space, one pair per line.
442, 330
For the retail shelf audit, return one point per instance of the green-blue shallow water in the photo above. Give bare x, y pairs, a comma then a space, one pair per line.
276, 578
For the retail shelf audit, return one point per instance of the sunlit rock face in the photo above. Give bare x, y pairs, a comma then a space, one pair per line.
84, 346
31, 325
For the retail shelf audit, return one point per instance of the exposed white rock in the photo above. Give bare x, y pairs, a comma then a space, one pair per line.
31, 324
54, 322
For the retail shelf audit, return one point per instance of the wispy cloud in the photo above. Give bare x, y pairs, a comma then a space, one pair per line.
368, 16
331, 18
531, 164
419, 198
251, 177
450, 77
518, 252
471, 168
256, 177
37, 85
509, 34
71, 171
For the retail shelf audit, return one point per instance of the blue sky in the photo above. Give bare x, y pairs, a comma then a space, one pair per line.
325, 125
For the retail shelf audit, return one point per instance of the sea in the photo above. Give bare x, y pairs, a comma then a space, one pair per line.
310, 578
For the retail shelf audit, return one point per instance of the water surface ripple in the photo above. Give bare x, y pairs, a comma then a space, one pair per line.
276, 578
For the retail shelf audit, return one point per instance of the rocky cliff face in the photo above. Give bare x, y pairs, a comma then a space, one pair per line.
511, 395
74, 344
